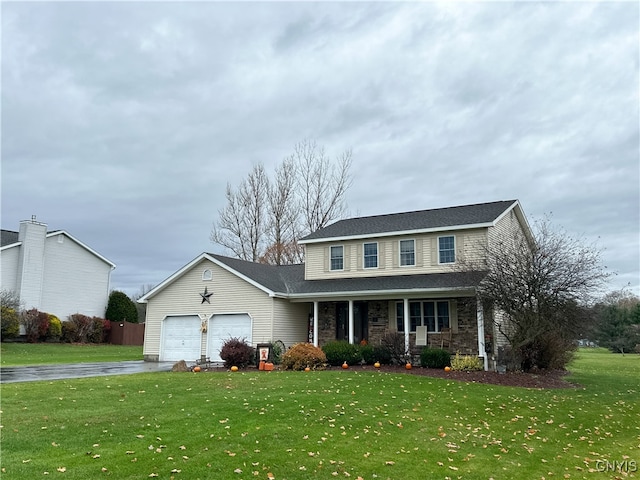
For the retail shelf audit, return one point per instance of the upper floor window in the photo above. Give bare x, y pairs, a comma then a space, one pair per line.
337, 257
447, 249
370, 255
407, 252
207, 275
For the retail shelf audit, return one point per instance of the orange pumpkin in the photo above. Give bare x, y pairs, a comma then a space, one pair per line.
234, 369
345, 365
307, 369
196, 368
377, 364
447, 369
408, 366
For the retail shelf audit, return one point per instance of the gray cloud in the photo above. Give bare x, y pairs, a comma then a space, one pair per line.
123, 122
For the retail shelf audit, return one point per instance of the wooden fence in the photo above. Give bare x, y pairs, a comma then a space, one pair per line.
126, 333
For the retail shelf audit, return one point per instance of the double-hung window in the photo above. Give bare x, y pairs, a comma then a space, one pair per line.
370, 255
407, 252
447, 249
337, 257
433, 314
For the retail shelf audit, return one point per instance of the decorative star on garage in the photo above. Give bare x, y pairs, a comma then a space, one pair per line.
205, 296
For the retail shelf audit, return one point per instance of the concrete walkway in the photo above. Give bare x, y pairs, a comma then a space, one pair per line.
79, 370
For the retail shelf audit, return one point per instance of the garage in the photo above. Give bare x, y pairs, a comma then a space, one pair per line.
181, 339
224, 327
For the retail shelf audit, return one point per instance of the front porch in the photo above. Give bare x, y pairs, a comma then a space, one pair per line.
370, 320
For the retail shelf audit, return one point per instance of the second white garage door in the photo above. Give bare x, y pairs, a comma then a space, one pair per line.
224, 327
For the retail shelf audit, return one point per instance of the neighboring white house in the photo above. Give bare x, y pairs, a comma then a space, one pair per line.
363, 278
53, 271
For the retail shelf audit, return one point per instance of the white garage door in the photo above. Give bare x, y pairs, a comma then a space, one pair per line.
224, 327
181, 339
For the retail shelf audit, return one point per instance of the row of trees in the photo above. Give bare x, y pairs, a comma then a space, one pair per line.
265, 216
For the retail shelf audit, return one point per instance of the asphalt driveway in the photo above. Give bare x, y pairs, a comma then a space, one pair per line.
79, 370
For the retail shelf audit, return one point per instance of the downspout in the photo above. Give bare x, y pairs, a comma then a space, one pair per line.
481, 346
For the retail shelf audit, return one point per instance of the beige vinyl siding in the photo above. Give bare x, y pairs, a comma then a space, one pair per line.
507, 227
290, 322
231, 294
469, 245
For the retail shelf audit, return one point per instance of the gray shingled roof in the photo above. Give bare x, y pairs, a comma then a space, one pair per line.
289, 279
409, 221
8, 237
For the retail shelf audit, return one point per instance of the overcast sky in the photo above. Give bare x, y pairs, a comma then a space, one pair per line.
123, 122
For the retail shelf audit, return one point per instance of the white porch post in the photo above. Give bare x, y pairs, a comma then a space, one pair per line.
351, 336
315, 322
407, 325
481, 345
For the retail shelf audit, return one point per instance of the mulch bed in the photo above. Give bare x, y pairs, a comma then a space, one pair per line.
542, 379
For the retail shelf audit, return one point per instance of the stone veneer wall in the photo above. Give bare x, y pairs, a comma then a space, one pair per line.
464, 341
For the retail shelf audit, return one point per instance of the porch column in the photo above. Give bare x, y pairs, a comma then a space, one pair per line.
351, 336
407, 325
481, 346
315, 322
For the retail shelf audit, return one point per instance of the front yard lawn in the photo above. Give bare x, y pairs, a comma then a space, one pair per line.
18, 353
322, 425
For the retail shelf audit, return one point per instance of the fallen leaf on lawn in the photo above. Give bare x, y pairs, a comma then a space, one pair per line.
96, 456
139, 436
237, 470
153, 474
62, 469
103, 469
389, 462
129, 452
182, 447
26, 461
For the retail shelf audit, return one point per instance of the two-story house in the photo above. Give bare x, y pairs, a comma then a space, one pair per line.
54, 271
362, 278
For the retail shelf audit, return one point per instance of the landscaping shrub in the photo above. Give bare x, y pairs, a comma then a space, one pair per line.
466, 363
95, 330
55, 328
434, 358
36, 325
69, 332
302, 355
9, 322
236, 351
394, 344
340, 351
80, 330
121, 308
382, 354
367, 353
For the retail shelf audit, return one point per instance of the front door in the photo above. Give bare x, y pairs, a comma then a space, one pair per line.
342, 321
360, 321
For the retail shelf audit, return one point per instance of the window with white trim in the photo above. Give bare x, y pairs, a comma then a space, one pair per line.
433, 314
337, 257
407, 252
207, 275
370, 255
447, 249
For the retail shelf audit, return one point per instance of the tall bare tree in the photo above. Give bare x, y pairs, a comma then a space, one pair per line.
541, 285
243, 221
322, 184
264, 218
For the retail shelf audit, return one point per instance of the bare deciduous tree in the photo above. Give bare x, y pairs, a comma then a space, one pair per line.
322, 184
541, 284
242, 223
263, 218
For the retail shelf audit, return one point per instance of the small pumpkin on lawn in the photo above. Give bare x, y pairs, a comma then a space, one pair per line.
377, 364
234, 369
345, 365
447, 368
196, 368
307, 369
408, 366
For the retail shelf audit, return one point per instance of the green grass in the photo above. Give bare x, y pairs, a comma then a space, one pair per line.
322, 425
16, 354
